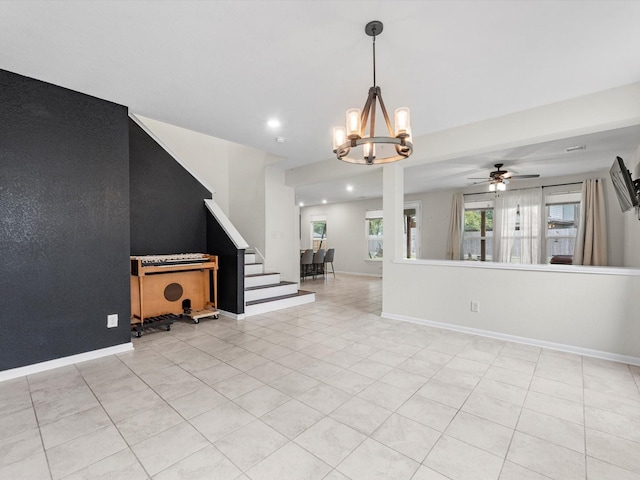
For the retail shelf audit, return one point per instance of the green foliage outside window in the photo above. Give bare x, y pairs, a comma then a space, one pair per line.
472, 220
319, 229
375, 227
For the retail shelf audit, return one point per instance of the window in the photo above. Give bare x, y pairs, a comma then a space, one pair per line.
411, 236
373, 229
319, 233
477, 240
563, 215
521, 240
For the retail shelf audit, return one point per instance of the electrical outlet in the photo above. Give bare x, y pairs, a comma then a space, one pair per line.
475, 306
112, 320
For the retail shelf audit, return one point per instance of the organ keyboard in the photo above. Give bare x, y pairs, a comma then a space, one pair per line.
166, 260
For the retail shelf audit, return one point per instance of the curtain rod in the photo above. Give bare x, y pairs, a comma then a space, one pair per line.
544, 186
563, 184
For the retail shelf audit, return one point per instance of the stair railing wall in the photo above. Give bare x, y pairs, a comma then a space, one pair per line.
225, 241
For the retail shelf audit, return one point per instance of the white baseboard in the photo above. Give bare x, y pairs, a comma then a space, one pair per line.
64, 361
233, 316
587, 352
359, 274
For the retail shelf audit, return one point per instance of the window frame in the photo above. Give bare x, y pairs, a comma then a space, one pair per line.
312, 221
378, 215
479, 205
373, 215
561, 198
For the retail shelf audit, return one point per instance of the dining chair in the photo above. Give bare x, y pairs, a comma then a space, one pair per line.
318, 262
328, 258
306, 263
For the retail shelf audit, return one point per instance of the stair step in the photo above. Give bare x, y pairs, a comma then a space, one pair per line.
277, 303
280, 297
279, 284
253, 268
261, 279
269, 290
249, 258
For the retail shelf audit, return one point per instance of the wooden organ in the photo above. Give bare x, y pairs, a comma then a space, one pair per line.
165, 287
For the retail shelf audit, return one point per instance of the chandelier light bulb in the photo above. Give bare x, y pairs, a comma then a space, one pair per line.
492, 187
402, 121
353, 123
339, 136
501, 187
369, 150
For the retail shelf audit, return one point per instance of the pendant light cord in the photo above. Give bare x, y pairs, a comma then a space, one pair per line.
374, 58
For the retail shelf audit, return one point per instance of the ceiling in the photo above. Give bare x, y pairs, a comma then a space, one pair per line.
224, 68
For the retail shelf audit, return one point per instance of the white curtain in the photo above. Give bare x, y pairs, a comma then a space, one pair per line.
531, 221
456, 223
504, 225
591, 240
523, 209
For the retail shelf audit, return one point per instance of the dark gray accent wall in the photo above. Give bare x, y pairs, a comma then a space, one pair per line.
230, 267
64, 222
168, 214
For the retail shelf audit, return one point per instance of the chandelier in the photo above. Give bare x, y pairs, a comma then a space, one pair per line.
352, 144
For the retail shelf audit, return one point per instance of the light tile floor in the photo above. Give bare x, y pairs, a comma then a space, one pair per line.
324, 391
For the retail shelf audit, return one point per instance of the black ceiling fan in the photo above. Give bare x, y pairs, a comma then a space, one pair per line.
502, 176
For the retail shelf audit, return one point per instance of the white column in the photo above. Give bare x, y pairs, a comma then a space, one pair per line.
392, 213
392, 210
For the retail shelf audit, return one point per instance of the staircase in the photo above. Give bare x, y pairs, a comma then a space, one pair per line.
265, 292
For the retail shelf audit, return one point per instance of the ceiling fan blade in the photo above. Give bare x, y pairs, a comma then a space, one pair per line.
507, 175
525, 176
478, 183
477, 178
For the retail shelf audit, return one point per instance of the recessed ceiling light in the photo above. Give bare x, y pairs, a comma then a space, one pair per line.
324, 200
273, 123
301, 204
349, 188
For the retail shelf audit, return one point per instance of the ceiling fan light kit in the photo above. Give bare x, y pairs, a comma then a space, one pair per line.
346, 140
497, 186
499, 179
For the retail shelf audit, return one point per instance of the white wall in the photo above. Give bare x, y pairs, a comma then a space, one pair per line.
434, 219
205, 155
632, 239
632, 220
282, 242
585, 310
247, 193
